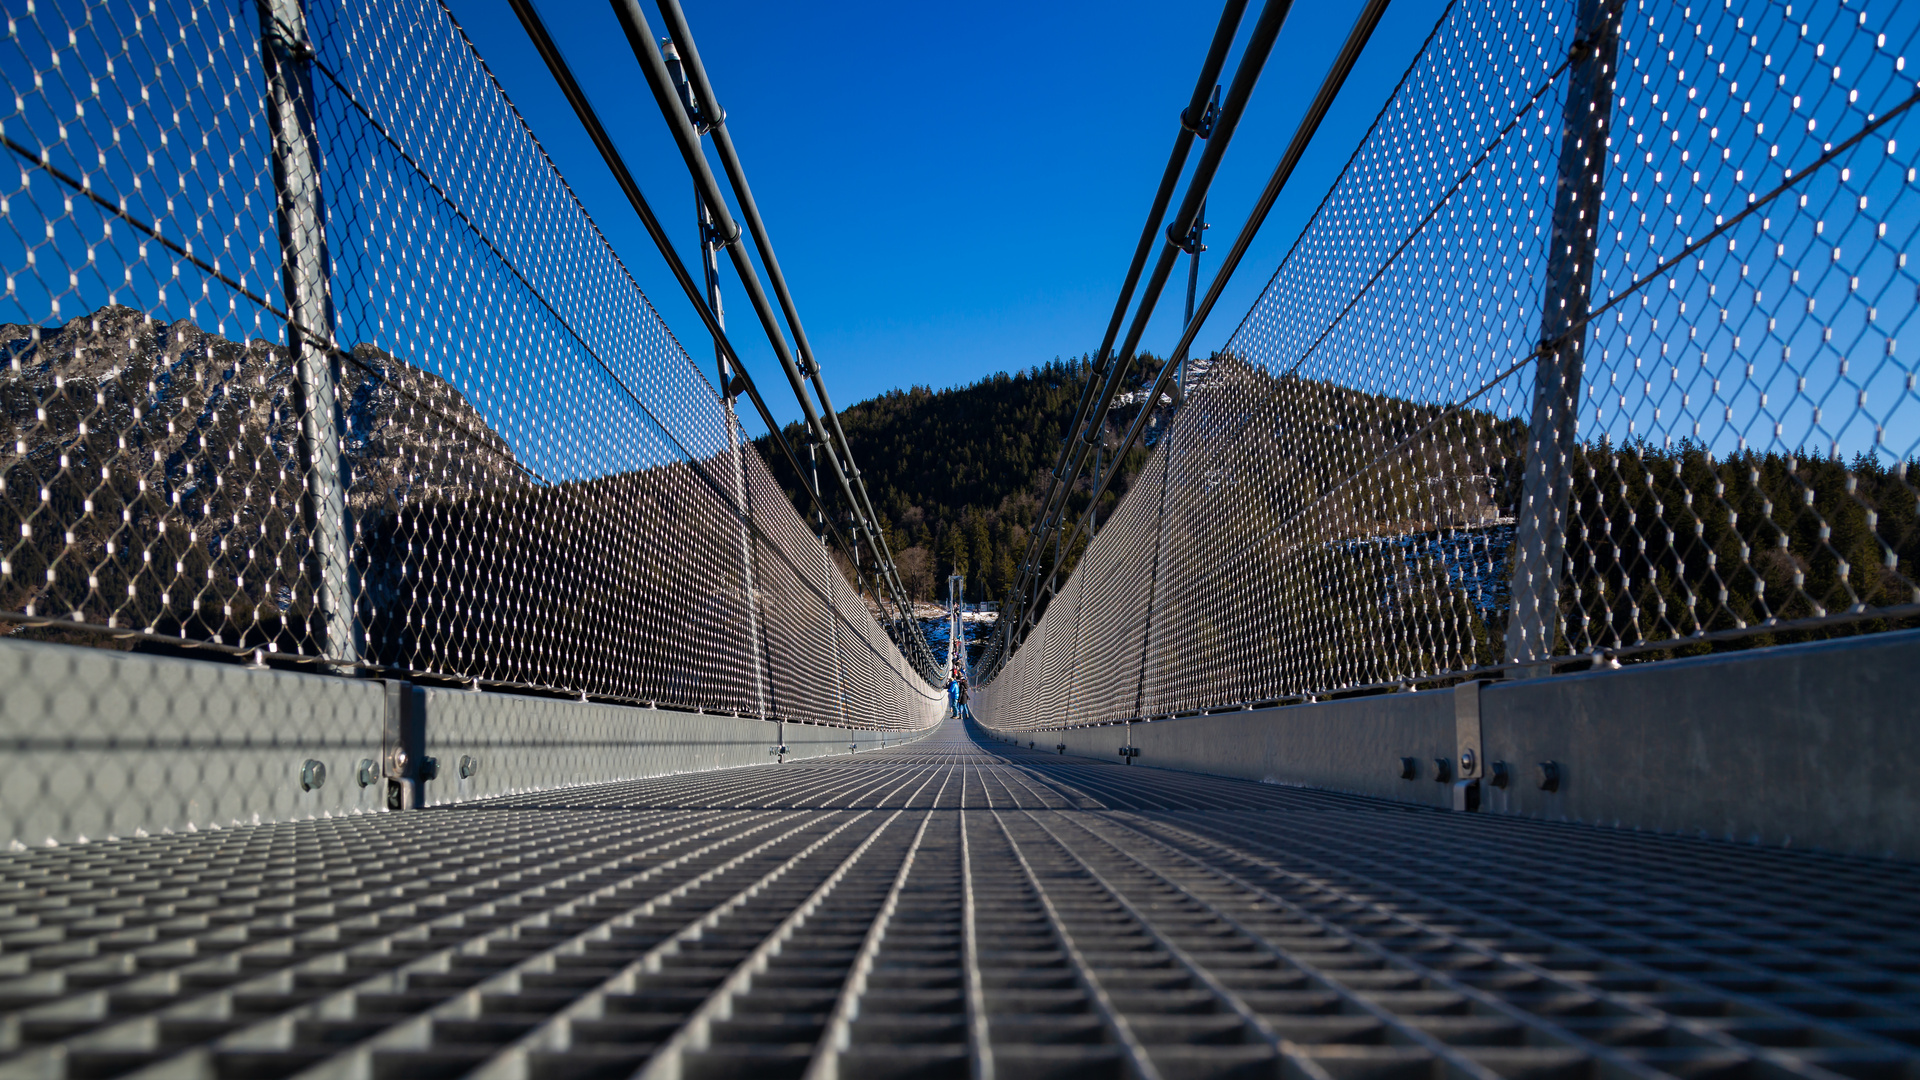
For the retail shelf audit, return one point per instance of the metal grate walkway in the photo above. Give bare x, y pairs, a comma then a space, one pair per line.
953, 908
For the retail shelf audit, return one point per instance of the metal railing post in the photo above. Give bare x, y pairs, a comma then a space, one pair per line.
1159, 547
762, 676
286, 59
1540, 535
829, 572
729, 390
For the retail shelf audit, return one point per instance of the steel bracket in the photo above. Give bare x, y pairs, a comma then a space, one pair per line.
1469, 753
403, 746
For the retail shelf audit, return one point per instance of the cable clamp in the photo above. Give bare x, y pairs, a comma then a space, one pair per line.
1204, 127
284, 39
1190, 242
704, 121
710, 232
1588, 43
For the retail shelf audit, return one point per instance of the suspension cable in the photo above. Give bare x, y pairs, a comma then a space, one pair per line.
640, 39
1259, 46
1194, 121
556, 65
716, 116
1330, 87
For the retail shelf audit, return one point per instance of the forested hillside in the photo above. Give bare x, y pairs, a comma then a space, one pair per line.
1669, 541
957, 474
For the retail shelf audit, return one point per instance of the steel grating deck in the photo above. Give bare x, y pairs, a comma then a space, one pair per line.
956, 909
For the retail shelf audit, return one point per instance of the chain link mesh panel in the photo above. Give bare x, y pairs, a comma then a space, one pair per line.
1592, 353
310, 349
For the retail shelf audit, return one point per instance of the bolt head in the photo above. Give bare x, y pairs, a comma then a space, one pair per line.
1466, 761
313, 775
1547, 774
400, 761
1409, 768
469, 765
367, 773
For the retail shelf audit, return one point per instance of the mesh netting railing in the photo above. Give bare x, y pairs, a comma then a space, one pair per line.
1591, 354
311, 352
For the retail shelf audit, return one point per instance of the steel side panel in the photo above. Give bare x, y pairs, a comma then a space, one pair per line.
1352, 746
97, 743
536, 744
1814, 745
1805, 745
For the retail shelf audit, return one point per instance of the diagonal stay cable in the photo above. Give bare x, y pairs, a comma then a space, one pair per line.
1309, 125
1380, 272
1246, 76
589, 119
1580, 325
543, 43
532, 290
716, 117
1191, 121
646, 52
42, 160
693, 462
1360, 294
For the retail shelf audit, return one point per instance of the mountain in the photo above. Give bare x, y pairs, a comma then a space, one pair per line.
957, 475
1350, 495
152, 475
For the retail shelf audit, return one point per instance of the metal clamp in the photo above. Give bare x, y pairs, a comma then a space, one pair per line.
1204, 127
1189, 243
1469, 753
403, 748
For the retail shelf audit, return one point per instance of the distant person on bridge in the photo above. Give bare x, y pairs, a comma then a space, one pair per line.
966, 694
953, 695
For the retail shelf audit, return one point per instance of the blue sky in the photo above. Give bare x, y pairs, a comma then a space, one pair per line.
953, 190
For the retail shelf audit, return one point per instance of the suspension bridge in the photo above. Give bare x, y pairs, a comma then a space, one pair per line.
1501, 667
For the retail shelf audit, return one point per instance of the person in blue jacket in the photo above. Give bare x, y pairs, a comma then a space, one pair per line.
953, 696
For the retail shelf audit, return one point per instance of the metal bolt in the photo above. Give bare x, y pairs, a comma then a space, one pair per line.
1501, 774
429, 768
400, 762
313, 774
368, 772
1409, 768
469, 765
1442, 769
1548, 774
1466, 761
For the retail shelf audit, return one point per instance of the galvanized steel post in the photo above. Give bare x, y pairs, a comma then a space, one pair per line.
1540, 538
286, 59
729, 390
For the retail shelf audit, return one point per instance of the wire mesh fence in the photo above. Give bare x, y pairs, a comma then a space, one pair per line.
310, 350
1591, 354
